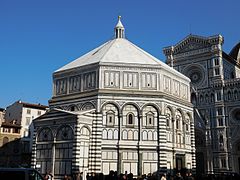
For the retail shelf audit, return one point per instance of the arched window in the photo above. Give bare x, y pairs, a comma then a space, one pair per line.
187, 125
135, 135
110, 134
64, 133
110, 118
115, 135
104, 134
168, 117
45, 135
84, 131
130, 119
149, 119
183, 125
130, 135
87, 106
144, 135
229, 95
206, 98
154, 135
235, 94
150, 135
124, 134
178, 120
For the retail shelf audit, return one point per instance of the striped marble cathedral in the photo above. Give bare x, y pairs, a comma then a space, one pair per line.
215, 95
116, 108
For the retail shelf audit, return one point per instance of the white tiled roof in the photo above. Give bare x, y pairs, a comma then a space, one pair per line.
120, 51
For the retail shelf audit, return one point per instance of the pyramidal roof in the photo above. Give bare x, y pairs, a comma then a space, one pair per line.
118, 51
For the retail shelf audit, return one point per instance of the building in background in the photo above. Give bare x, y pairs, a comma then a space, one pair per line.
116, 108
215, 95
22, 114
18, 125
10, 145
2, 113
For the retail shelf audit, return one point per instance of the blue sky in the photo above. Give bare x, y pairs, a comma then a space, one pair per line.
38, 37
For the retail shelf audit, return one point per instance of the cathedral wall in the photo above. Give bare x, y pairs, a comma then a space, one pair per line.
228, 69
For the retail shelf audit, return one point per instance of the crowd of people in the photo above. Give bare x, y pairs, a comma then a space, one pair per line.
113, 175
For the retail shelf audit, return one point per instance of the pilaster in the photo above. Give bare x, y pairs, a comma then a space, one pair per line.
162, 140
95, 154
76, 149
34, 153
193, 150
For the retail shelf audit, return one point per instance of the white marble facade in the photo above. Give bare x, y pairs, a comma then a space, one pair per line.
215, 95
116, 108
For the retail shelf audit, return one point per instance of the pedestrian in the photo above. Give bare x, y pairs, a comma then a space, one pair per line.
48, 176
79, 176
65, 177
163, 177
178, 176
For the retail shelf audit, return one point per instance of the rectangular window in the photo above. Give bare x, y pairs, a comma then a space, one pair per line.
223, 163
149, 119
167, 122
219, 111
215, 162
89, 80
74, 83
216, 71
219, 96
28, 111
130, 119
28, 120
6, 130
39, 113
216, 61
220, 122
110, 119
15, 130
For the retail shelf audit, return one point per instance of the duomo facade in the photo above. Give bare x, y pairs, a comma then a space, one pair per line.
215, 96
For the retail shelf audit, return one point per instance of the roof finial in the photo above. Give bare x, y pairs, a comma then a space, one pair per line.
119, 29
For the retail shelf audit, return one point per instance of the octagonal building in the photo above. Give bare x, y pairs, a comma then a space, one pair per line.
116, 108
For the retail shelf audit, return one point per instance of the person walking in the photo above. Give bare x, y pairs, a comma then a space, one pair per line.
163, 177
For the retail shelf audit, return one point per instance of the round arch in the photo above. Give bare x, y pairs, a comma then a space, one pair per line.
133, 104
64, 132
87, 105
87, 127
190, 116
154, 106
72, 107
111, 103
171, 109
182, 113
44, 134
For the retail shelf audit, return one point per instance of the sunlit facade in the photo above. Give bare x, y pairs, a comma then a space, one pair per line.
116, 108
